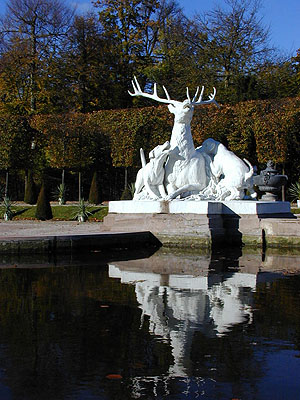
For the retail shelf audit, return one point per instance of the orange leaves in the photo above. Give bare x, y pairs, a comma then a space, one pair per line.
130, 129
114, 376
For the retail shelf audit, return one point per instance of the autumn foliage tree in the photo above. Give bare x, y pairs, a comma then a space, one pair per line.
236, 42
33, 29
51, 62
16, 135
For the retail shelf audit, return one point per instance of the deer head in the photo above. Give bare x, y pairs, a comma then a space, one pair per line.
182, 110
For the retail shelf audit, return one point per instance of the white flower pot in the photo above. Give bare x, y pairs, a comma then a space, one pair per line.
298, 203
7, 217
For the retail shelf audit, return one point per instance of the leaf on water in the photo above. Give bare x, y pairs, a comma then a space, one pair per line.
114, 376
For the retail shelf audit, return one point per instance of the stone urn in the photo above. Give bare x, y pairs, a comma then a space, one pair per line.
270, 182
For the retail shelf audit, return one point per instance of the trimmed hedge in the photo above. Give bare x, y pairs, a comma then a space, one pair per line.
256, 130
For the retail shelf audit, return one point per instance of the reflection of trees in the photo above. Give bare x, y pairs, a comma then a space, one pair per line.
240, 356
61, 327
231, 357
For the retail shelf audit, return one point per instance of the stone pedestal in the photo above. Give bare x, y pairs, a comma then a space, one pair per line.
197, 223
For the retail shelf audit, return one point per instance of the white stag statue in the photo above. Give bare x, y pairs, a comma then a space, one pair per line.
191, 170
207, 172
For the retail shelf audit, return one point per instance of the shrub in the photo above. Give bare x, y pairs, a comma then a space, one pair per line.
60, 194
126, 194
94, 195
43, 207
30, 190
294, 191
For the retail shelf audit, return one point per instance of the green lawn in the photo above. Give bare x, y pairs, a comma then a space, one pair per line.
295, 210
67, 212
63, 213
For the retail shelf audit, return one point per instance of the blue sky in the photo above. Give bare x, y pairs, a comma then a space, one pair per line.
282, 17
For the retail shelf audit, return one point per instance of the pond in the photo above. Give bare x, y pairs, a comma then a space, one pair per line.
224, 325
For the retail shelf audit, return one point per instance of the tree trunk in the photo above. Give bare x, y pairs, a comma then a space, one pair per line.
6, 184
126, 178
283, 188
79, 186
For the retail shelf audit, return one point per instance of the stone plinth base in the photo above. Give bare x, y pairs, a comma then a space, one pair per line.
200, 223
238, 207
171, 229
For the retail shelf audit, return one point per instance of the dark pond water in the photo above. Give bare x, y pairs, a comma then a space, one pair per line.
172, 326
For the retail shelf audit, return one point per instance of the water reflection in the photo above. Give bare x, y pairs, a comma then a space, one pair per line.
174, 326
177, 305
213, 295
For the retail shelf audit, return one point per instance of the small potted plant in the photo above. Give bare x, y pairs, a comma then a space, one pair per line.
82, 213
8, 211
61, 194
294, 192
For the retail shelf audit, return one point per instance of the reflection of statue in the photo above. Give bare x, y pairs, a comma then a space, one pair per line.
211, 171
180, 304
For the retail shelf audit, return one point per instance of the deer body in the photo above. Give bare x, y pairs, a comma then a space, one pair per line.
181, 132
191, 170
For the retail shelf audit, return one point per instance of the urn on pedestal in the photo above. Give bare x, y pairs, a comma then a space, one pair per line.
270, 182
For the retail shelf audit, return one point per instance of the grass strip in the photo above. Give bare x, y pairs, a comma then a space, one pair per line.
60, 213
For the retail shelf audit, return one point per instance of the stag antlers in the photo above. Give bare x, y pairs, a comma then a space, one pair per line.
195, 102
137, 91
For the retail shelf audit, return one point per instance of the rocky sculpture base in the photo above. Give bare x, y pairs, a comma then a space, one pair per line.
198, 224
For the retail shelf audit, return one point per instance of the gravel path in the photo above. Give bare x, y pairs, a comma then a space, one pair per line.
28, 228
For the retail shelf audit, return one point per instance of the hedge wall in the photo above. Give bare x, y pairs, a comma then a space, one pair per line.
104, 140
256, 130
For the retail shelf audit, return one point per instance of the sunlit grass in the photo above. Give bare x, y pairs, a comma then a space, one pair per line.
60, 213
295, 210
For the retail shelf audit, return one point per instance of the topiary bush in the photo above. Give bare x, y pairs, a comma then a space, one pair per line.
94, 195
30, 190
43, 207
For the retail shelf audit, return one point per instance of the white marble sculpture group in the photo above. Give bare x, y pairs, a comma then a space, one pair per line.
177, 169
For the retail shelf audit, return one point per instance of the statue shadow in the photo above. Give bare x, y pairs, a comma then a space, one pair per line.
236, 227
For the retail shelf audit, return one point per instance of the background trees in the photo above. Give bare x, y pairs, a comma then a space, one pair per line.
52, 62
236, 42
86, 60
16, 137
33, 28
